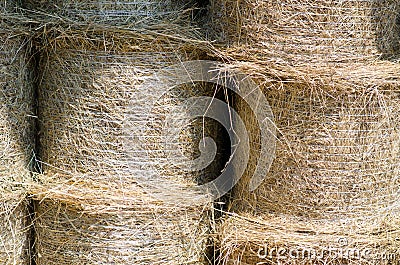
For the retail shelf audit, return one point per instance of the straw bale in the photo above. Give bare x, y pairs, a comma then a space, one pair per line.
285, 239
145, 234
86, 95
335, 174
88, 89
14, 231
16, 146
291, 38
125, 13
16, 114
335, 150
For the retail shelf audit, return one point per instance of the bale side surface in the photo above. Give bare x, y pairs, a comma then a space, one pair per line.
337, 152
125, 13
145, 234
330, 42
14, 232
87, 91
16, 114
86, 96
315, 31
291, 240
335, 171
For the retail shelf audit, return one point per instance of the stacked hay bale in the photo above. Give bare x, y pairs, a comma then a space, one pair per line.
334, 181
329, 72
90, 207
16, 145
125, 13
307, 40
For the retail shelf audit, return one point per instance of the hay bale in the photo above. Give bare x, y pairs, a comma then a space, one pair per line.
89, 86
7, 6
87, 91
147, 233
272, 239
125, 13
289, 39
335, 174
14, 231
310, 32
16, 114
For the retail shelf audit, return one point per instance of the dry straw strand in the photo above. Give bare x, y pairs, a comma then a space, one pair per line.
110, 14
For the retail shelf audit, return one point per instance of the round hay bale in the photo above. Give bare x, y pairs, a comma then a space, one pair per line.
315, 31
309, 38
147, 233
89, 86
272, 239
14, 231
87, 91
125, 13
335, 174
16, 114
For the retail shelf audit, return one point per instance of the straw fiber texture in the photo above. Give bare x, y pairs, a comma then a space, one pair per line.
314, 39
14, 232
124, 13
16, 115
146, 233
335, 176
91, 208
16, 139
86, 97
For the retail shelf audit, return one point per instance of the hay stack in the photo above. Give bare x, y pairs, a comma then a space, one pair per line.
16, 147
89, 86
335, 176
291, 38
